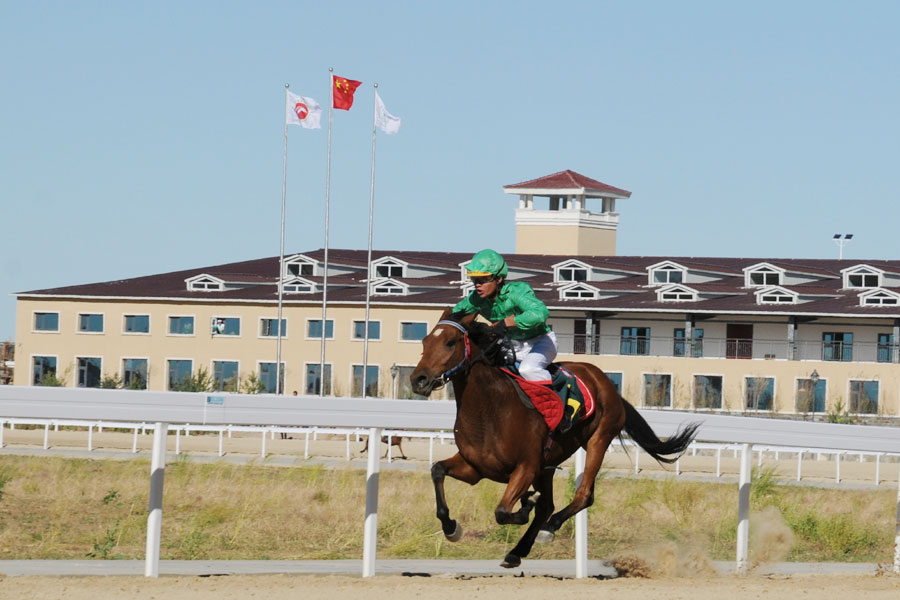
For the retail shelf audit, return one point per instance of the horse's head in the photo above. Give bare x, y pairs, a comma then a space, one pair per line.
445, 350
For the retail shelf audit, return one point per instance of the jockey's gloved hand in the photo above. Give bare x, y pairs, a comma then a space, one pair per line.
499, 328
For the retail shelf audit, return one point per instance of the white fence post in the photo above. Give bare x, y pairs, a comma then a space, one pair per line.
370, 530
154, 518
580, 521
897, 533
743, 528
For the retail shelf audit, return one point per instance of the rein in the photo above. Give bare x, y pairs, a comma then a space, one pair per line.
446, 375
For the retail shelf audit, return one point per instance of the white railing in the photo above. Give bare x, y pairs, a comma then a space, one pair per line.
162, 408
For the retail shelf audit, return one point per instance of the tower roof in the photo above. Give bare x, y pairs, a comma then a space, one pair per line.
566, 182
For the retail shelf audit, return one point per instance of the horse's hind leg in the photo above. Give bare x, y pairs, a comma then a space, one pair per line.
456, 467
543, 509
584, 495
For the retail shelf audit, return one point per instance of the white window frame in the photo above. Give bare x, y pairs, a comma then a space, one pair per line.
353, 323
388, 261
78, 323
121, 372
680, 290
31, 367
298, 281
671, 404
169, 327
75, 368
880, 293
299, 259
400, 332
228, 335
864, 270
166, 362
766, 269
571, 265
212, 369
149, 323
34, 329
204, 283
880, 398
693, 395
578, 287
775, 291
744, 406
330, 379
667, 267
259, 334
306, 323
389, 283
284, 372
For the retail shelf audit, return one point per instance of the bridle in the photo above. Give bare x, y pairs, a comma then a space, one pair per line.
446, 375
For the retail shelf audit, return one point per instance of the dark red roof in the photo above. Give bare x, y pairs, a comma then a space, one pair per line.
567, 180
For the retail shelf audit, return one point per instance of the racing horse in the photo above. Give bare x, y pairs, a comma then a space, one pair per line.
499, 438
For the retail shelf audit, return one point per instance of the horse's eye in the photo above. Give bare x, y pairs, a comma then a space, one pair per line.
451, 343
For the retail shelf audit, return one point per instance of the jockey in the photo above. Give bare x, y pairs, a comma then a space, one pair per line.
524, 316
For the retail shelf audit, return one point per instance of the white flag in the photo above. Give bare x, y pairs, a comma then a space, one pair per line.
304, 112
384, 120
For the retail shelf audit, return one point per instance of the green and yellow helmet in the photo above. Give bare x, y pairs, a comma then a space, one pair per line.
487, 263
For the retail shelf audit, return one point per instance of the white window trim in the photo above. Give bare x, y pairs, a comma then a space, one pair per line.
31, 366
863, 296
677, 288
368, 366
353, 323
334, 327
467, 288
390, 261
306, 373
298, 281
78, 324
864, 379
775, 290
226, 335
149, 324
166, 362
856, 270
579, 286
797, 379
299, 259
184, 335
671, 390
34, 315
767, 268
260, 336
121, 371
284, 372
668, 266
694, 398
570, 264
204, 278
400, 332
744, 379
393, 283
75, 368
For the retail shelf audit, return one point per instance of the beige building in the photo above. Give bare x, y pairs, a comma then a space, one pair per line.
793, 337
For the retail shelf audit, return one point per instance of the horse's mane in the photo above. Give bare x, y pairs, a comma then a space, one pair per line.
488, 339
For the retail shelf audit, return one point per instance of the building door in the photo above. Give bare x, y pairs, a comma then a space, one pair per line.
580, 336
739, 340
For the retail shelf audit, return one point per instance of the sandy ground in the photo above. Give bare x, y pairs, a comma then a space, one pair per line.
795, 587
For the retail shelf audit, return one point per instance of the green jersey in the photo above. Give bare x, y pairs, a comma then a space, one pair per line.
515, 298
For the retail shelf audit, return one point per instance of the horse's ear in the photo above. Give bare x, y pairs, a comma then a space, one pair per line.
467, 320
445, 314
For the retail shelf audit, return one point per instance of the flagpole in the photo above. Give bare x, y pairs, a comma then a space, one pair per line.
278, 374
369, 257
327, 209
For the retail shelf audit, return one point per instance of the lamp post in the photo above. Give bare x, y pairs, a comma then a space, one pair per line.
395, 370
811, 391
841, 239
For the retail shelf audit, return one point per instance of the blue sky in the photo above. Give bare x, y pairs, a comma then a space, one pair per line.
146, 137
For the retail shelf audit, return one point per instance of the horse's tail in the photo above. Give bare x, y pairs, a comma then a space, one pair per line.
643, 435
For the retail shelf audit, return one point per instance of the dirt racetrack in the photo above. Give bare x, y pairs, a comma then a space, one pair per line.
795, 587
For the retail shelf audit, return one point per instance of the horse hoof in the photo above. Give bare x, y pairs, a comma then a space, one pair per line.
456, 535
511, 561
544, 536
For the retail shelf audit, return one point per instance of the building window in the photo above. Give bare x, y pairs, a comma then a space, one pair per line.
777, 297
44, 371
267, 376
269, 328
89, 372
359, 330
389, 288
371, 381
314, 329
657, 390
616, 379
413, 332
403, 384
837, 346
579, 293
668, 274
708, 391
759, 393
677, 295
314, 382
680, 345
810, 395
297, 288
90, 323
137, 323
226, 326
573, 274
879, 299
299, 269
389, 269
225, 376
864, 279
181, 325
180, 373
885, 347
635, 341
765, 276
205, 285
863, 397
46, 321
134, 373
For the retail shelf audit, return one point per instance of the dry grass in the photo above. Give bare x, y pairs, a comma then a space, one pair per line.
71, 508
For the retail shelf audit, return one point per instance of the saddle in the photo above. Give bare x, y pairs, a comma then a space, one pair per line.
551, 402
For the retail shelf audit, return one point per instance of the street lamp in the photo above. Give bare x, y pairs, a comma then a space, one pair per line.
395, 370
841, 239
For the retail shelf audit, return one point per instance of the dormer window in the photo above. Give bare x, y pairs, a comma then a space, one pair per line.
388, 267
204, 283
571, 271
299, 266
666, 272
763, 275
775, 295
389, 288
578, 291
879, 298
676, 293
862, 277
298, 286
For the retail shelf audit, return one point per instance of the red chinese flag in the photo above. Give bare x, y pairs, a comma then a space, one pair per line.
343, 91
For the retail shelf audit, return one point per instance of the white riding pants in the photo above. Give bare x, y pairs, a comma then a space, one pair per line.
534, 355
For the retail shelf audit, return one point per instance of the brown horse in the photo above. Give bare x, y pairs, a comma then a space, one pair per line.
500, 439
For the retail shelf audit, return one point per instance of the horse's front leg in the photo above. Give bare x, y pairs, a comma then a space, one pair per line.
543, 509
456, 467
